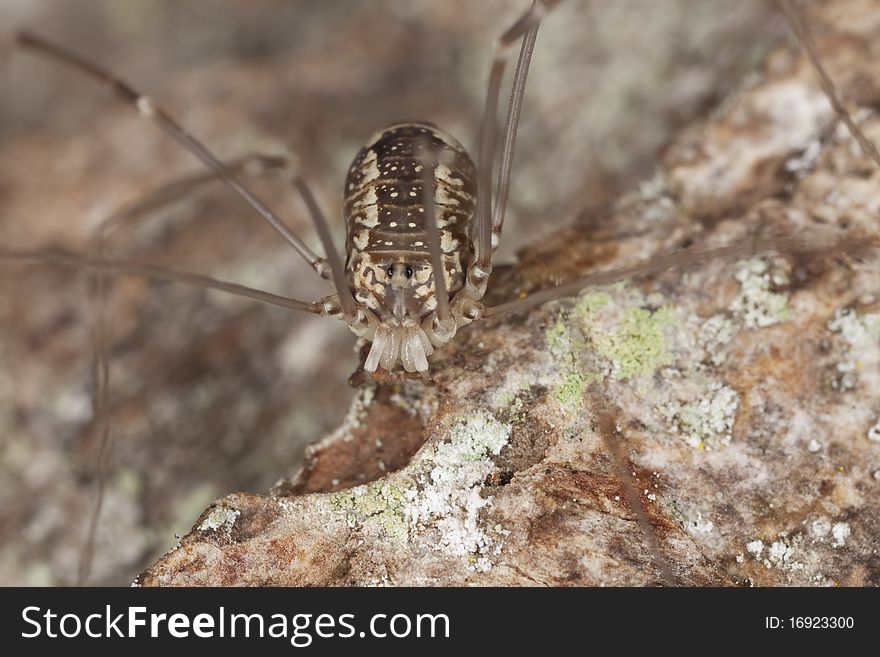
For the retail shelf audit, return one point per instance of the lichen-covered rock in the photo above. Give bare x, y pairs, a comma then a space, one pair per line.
743, 397
211, 394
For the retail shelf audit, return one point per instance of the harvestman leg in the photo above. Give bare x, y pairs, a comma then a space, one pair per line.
806, 41
143, 270
252, 165
149, 109
428, 163
525, 27
331, 266
101, 372
514, 110
157, 273
489, 224
682, 260
780, 244
857, 246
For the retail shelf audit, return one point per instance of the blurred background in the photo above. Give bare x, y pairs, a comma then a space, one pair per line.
211, 394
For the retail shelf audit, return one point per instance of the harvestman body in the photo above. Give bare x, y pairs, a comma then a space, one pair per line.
389, 263
422, 224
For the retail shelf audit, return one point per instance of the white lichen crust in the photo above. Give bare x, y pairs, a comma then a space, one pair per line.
449, 493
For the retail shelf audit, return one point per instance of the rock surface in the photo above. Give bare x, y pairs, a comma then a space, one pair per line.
743, 398
211, 394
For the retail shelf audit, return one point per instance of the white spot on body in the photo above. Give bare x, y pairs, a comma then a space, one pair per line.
444, 219
369, 168
448, 243
367, 200
444, 173
423, 274
361, 240
442, 197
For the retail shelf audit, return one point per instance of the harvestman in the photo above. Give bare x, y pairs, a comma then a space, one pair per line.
422, 225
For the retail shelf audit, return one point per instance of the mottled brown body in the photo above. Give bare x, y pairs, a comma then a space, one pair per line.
387, 245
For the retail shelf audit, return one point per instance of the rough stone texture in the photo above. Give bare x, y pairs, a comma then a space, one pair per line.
211, 394
746, 396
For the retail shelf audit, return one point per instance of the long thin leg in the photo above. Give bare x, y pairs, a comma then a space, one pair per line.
855, 246
101, 413
148, 109
531, 18
336, 268
251, 165
778, 244
514, 109
154, 272
254, 165
441, 294
611, 434
806, 41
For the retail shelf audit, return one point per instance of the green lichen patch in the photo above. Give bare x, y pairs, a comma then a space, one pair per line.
220, 517
378, 503
607, 334
571, 390
566, 345
590, 303
636, 346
